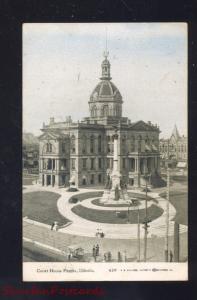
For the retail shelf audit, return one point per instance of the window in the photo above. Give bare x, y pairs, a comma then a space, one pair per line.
63, 147
124, 163
105, 110
49, 147
99, 144
100, 163
73, 144
108, 163
132, 143
49, 164
84, 181
94, 111
92, 144
63, 164
84, 143
73, 163
84, 161
132, 164
124, 144
140, 143
99, 178
92, 163
92, 179
53, 164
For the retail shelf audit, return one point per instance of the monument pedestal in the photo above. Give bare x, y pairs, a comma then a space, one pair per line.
115, 194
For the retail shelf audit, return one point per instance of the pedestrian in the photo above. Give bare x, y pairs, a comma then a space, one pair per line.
105, 257
171, 256
109, 256
125, 255
97, 250
94, 251
55, 226
52, 225
119, 256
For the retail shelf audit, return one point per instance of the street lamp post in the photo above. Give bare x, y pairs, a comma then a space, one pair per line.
166, 250
138, 232
146, 222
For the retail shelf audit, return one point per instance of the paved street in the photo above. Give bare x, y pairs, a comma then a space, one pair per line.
61, 241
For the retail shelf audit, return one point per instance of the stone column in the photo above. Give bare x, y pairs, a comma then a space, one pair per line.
41, 165
45, 180
58, 164
115, 158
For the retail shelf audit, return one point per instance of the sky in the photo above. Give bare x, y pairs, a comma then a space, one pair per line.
62, 65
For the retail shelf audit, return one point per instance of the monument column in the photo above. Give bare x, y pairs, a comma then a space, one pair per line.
115, 158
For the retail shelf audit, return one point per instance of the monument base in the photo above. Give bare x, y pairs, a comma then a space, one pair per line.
110, 197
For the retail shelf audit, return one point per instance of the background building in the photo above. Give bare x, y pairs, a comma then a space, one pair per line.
82, 152
175, 147
30, 153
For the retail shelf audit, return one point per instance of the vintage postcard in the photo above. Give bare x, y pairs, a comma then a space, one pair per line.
105, 188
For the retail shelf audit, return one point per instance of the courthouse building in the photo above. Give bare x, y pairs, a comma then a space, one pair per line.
82, 152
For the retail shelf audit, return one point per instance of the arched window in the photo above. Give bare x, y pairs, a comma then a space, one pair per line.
99, 143
105, 110
94, 111
49, 148
73, 146
92, 144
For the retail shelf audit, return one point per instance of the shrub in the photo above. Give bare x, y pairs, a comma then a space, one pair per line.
73, 200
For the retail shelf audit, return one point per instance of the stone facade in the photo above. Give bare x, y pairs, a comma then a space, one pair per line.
82, 152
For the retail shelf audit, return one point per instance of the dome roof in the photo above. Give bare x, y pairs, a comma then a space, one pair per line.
105, 89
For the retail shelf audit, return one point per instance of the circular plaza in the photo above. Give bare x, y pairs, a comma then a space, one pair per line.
81, 213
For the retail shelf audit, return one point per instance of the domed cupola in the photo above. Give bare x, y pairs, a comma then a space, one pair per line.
105, 68
105, 100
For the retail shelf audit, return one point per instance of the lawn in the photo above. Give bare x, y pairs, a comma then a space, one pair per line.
42, 207
179, 200
87, 195
106, 216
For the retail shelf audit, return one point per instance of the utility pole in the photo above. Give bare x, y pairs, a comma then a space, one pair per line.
176, 242
167, 209
146, 220
138, 233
